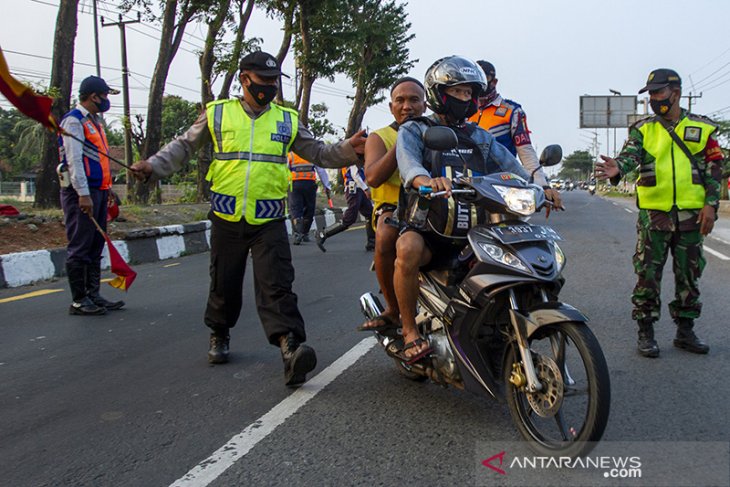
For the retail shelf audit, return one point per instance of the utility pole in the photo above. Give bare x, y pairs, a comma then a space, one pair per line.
125, 90
96, 42
690, 97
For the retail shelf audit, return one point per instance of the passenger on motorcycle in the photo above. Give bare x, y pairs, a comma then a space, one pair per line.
453, 85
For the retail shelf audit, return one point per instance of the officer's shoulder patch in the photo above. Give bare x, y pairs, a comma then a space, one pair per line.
692, 134
702, 118
501, 111
642, 121
510, 103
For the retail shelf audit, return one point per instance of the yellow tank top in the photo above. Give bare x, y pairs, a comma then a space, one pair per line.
388, 191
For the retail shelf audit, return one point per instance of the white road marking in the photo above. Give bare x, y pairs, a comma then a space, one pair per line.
717, 254
630, 211
212, 467
720, 240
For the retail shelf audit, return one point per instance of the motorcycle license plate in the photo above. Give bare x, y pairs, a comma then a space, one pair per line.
509, 234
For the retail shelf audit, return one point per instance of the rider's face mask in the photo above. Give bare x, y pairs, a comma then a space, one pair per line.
458, 110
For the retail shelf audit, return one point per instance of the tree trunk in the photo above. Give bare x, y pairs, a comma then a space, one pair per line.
170, 39
307, 77
285, 44
359, 105
207, 61
61, 76
244, 16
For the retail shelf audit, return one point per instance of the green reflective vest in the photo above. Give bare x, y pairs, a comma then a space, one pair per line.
249, 174
667, 177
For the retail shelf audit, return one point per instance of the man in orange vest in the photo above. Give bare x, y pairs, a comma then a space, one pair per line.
85, 184
303, 195
507, 122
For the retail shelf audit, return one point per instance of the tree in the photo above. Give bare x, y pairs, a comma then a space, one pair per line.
60, 87
319, 125
375, 52
176, 15
577, 165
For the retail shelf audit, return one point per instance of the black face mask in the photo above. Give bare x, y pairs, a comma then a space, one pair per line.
661, 107
458, 110
263, 94
103, 105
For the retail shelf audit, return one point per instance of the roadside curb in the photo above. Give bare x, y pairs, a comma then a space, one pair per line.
137, 247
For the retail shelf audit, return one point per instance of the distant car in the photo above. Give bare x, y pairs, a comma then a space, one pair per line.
556, 184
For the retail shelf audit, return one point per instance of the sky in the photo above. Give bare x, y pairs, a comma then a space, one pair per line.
547, 54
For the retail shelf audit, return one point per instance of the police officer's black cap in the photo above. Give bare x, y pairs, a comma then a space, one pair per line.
488, 69
261, 63
659, 78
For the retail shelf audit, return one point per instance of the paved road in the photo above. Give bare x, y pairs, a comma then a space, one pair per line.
128, 398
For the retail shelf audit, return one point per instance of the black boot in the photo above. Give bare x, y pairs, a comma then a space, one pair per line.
327, 233
219, 347
370, 232
82, 304
646, 344
93, 283
298, 360
296, 225
306, 226
686, 338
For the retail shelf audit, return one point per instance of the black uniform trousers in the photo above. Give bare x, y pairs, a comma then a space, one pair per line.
302, 200
85, 243
230, 243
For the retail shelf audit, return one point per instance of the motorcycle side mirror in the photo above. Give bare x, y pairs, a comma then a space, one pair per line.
551, 155
440, 138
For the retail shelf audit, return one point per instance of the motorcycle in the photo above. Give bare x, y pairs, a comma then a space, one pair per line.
492, 317
592, 188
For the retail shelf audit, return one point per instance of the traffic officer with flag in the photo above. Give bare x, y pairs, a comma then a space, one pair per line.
679, 166
249, 178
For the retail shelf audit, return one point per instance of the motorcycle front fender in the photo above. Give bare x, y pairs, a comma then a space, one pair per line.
547, 314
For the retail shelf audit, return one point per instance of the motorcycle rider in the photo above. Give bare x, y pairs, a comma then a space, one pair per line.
452, 86
407, 100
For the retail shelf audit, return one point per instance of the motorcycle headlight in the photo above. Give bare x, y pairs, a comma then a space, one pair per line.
559, 257
519, 200
502, 256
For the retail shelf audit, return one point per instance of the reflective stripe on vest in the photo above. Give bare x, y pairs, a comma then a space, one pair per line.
667, 176
301, 170
249, 174
389, 191
94, 152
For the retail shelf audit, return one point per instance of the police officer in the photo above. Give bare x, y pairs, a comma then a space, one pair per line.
85, 185
357, 195
678, 190
507, 122
249, 178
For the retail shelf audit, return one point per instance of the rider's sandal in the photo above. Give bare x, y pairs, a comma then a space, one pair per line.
388, 323
414, 358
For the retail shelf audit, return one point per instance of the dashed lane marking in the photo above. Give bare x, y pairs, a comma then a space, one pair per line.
717, 254
237, 447
33, 294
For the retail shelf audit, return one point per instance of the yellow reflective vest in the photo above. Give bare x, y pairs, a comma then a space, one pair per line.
667, 177
249, 174
388, 191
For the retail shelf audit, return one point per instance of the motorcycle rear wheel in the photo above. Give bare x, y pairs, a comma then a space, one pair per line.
571, 412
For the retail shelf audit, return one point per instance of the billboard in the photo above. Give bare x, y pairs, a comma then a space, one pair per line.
601, 112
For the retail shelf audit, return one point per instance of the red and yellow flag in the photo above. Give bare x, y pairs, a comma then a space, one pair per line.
24, 98
125, 274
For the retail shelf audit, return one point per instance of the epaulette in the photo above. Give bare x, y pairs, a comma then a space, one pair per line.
702, 118
511, 104
642, 121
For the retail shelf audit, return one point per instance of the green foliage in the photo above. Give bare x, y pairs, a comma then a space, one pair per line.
577, 166
178, 115
318, 122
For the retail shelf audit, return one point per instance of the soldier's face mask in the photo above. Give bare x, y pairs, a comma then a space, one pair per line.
662, 106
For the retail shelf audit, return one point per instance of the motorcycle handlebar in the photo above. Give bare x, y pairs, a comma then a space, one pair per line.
427, 192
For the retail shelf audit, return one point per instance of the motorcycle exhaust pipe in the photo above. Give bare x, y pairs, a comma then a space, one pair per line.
370, 306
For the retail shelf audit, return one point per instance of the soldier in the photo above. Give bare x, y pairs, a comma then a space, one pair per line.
678, 192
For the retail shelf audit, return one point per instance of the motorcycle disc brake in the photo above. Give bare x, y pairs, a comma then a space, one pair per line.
547, 402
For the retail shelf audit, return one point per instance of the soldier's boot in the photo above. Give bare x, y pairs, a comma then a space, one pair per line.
331, 230
93, 284
306, 226
81, 304
370, 232
647, 346
298, 360
686, 338
219, 346
296, 235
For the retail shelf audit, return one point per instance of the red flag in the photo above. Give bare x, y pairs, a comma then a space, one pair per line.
125, 274
24, 98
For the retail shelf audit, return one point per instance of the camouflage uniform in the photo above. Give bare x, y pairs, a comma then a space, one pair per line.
675, 230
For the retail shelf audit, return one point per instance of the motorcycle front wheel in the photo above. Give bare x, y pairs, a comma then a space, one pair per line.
570, 413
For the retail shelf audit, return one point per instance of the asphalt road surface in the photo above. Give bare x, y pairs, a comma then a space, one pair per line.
129, 399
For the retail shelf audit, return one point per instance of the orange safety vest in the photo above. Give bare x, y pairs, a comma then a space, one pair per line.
95, 150
301, 170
